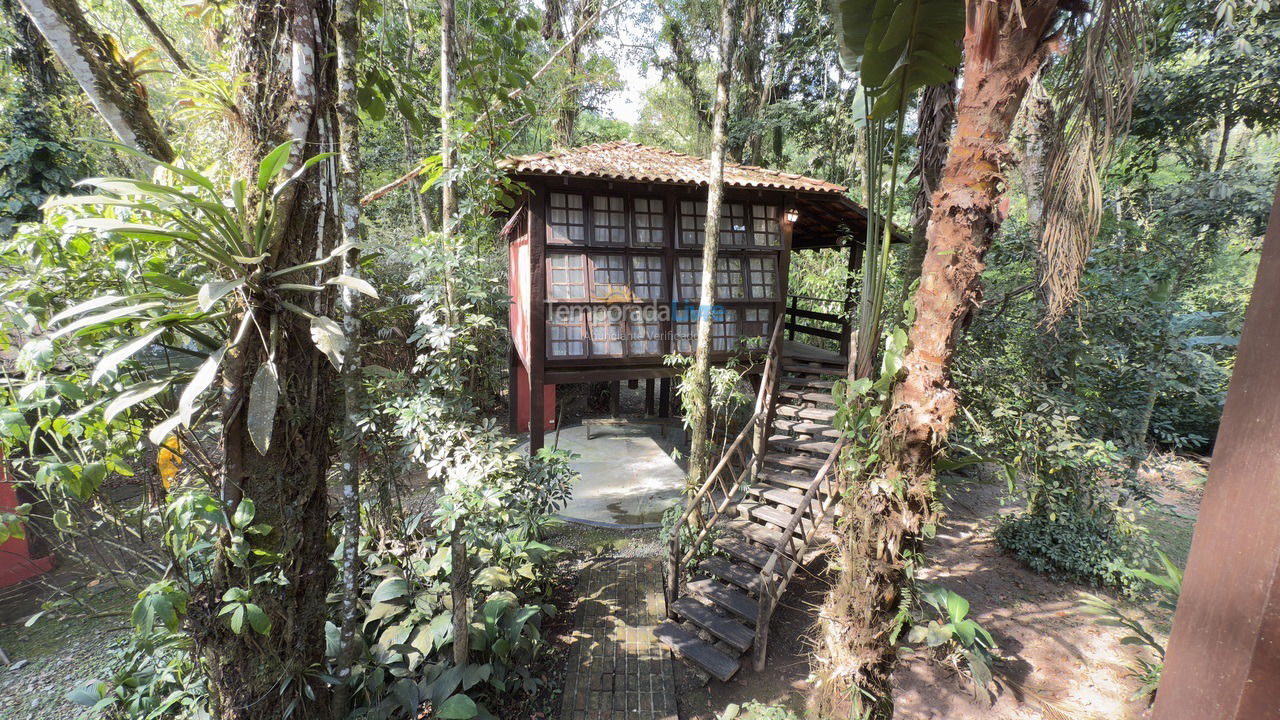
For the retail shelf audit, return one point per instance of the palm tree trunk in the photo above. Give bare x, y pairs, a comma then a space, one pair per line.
887, 517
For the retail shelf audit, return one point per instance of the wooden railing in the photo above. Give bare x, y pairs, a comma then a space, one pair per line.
828, 323
790, 554
725, 483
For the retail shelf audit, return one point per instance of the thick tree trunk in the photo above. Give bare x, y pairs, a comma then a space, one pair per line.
699, 403
347, 26
888, 515
286, 54
112, 89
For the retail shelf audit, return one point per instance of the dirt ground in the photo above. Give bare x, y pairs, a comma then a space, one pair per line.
1062, 663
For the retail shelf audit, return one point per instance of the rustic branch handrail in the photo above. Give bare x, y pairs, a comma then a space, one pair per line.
769, 593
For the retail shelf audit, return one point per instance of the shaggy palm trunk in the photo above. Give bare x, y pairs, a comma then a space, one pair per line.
348, 120
697, 394
285, 53
887, 515
936, 114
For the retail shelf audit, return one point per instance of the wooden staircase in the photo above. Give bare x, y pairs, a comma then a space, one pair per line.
768, 505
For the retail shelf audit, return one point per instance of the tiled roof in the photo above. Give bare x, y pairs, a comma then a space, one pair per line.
629, 161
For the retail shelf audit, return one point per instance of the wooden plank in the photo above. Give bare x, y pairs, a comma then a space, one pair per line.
696, 650
537, 314
831, 370
721, 626
725, 597
803, 462
786, 479
755, 532
808, 396
801, 427
815, 332
648, 397
739, 549
815, 315
1223, 657
807, 382
777, 517
743, 576
823, 414
790, 444
664, 397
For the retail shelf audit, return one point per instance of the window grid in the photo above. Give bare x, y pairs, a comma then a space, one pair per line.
608, 220
766, 228
724, 330
646, 277
567, 279
756, 323
609, 278
644, 332
693, 218
733, 224
689, 278
568, 336
567, 218
650, 223
607, 333
762, 277
731, 284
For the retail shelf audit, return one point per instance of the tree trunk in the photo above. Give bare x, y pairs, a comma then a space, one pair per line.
936, 115
347, 28
887, 516
112, 89
157, 33
285, 52
460, 572
699, 395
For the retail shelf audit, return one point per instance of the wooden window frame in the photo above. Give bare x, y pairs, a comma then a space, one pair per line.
661, 271
752, 286
593, 220
551, 235
730, 238
552, 284
661, 228
592, 261
756, 235
581, 324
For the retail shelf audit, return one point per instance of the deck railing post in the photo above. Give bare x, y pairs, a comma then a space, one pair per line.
673, 572
764, 611
792, 301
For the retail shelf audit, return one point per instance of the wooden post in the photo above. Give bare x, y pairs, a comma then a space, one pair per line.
1223, 659
648, 397
513, 391
664, 397
615, 398
855, 264
792, 304
537, 314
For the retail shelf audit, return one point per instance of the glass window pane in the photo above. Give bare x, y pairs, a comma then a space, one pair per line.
733, 224
566, 217
609, 278
567, 276
646, 277
568, 336
688, 278
762, 277
730, 282
693, 219
608, 220
606, 332
766, 229
644, 331
650, 222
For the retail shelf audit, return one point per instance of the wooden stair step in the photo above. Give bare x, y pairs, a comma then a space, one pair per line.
778, 496
741, 550
807, 382
803, 462
726, 598
801, 427
790, 444
689, 646
786, 479
807, 396
778, 517
744, 576
830, 370
730, 631
807, 413
756, 532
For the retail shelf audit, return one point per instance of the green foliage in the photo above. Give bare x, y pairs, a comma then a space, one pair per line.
155, 675
1168, 586
1086, 545
943, 627
33, 166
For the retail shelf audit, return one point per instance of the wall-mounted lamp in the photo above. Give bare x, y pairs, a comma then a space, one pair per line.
792, 215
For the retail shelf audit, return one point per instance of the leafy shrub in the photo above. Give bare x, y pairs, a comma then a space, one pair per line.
941, 624
1092, 546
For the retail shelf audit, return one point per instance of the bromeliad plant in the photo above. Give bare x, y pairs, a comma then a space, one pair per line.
182, 327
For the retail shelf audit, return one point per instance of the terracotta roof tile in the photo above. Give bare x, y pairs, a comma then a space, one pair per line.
629, 161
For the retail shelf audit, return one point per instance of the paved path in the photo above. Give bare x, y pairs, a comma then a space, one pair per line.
617, 671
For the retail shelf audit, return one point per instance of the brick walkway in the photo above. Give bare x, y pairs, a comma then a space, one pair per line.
617, 671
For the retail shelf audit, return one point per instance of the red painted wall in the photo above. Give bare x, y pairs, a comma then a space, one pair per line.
522, 403
16, 563
518, 286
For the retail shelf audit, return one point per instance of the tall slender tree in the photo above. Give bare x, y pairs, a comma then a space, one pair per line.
698, 396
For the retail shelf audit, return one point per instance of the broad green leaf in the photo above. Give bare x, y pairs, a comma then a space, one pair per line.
328, 337
161, 432
102, 318
494, 577
458, 707
957, 607
85, 306
212, 292
133, 395
355, 283
201, 382
258, 619
112, 360
243, 516
273, 163
264, 397
391, 588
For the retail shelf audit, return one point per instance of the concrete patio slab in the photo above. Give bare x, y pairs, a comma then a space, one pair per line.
629, 477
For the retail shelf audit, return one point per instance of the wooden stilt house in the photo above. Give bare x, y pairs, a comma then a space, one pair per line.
606, 267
